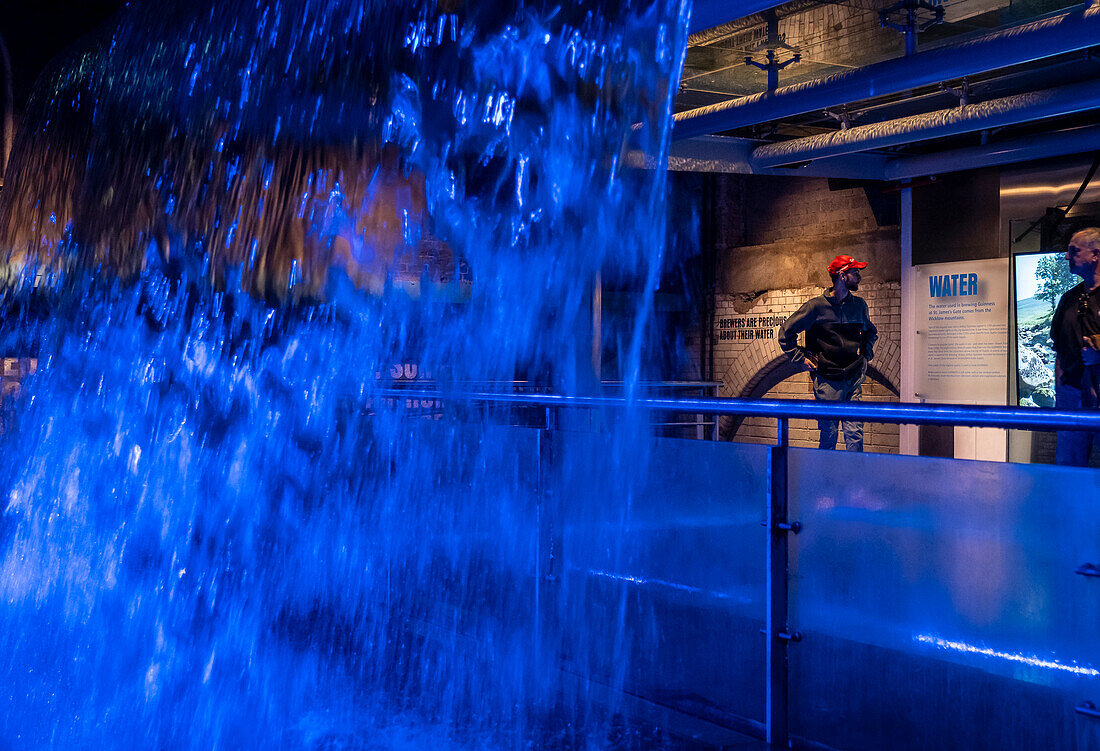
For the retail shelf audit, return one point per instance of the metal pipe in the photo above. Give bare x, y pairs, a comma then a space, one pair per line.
980, 416
1076, 30
723, 154
777, 593
967, 118
1024, 149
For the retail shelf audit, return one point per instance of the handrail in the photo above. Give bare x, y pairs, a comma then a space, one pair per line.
779, 631
980, 416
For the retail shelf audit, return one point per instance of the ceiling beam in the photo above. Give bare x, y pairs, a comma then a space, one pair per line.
1078, 29
1084, 140
966, 118
734, 155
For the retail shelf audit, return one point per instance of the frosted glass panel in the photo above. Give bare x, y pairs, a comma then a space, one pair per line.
939, 604
661, 573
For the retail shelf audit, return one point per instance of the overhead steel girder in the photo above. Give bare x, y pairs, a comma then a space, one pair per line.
709, 13
733, 155
1076, 30
1084, 140
967, 118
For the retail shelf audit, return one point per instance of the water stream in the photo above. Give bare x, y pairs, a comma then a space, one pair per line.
228, 228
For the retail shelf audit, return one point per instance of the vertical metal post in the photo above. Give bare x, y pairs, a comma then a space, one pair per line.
597, 326
540, 493
776, 621
773, 39
548, 547
909, 435
911, 31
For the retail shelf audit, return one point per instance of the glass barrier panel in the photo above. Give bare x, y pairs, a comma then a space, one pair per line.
939, 604
658, 570
459, 539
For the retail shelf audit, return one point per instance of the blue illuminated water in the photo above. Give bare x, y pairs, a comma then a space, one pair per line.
229, 229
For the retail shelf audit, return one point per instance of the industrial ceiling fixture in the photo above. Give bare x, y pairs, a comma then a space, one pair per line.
771, 45
975, 82
911, 23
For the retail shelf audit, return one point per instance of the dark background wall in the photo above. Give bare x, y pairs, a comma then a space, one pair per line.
957, 218
795, 226
37, 30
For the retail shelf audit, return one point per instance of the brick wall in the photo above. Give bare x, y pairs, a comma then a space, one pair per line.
804, 433
783, 208
789, 230
742, 364
818, 34
795, 226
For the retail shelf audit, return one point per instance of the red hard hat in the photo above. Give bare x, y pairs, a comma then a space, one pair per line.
843, 263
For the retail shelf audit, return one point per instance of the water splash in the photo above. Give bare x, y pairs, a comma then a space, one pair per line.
228, 230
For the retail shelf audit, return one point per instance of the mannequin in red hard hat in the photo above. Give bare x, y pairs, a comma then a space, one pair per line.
840, 341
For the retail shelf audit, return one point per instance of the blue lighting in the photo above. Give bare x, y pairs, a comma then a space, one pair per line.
1029, 660
257, 218
686, 588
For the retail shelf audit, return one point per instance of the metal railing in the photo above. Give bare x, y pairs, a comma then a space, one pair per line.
784, 410
777, 520
702, 425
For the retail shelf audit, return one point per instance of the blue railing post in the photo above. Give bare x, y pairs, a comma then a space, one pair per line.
548, 547
775, 627
541, 466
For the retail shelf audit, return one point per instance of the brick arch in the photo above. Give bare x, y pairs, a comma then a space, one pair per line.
748, 365
761, 358
777, 368
887, 364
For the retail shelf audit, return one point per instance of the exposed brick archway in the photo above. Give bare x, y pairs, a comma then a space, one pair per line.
750, 363
748, 366
776, 368
763, 364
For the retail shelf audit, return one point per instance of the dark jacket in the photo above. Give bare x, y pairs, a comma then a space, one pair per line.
1067, 327
838, 333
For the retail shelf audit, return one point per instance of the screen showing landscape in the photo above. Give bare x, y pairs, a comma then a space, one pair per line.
1041, 278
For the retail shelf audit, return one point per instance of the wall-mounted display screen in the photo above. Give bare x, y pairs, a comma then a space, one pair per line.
1041, 278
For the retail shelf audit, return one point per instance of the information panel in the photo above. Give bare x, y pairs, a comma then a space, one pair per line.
962, 331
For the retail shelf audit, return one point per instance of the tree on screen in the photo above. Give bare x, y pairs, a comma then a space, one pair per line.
1052, 273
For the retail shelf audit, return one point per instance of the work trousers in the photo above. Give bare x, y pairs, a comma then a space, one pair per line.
839, 391
1073, 445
